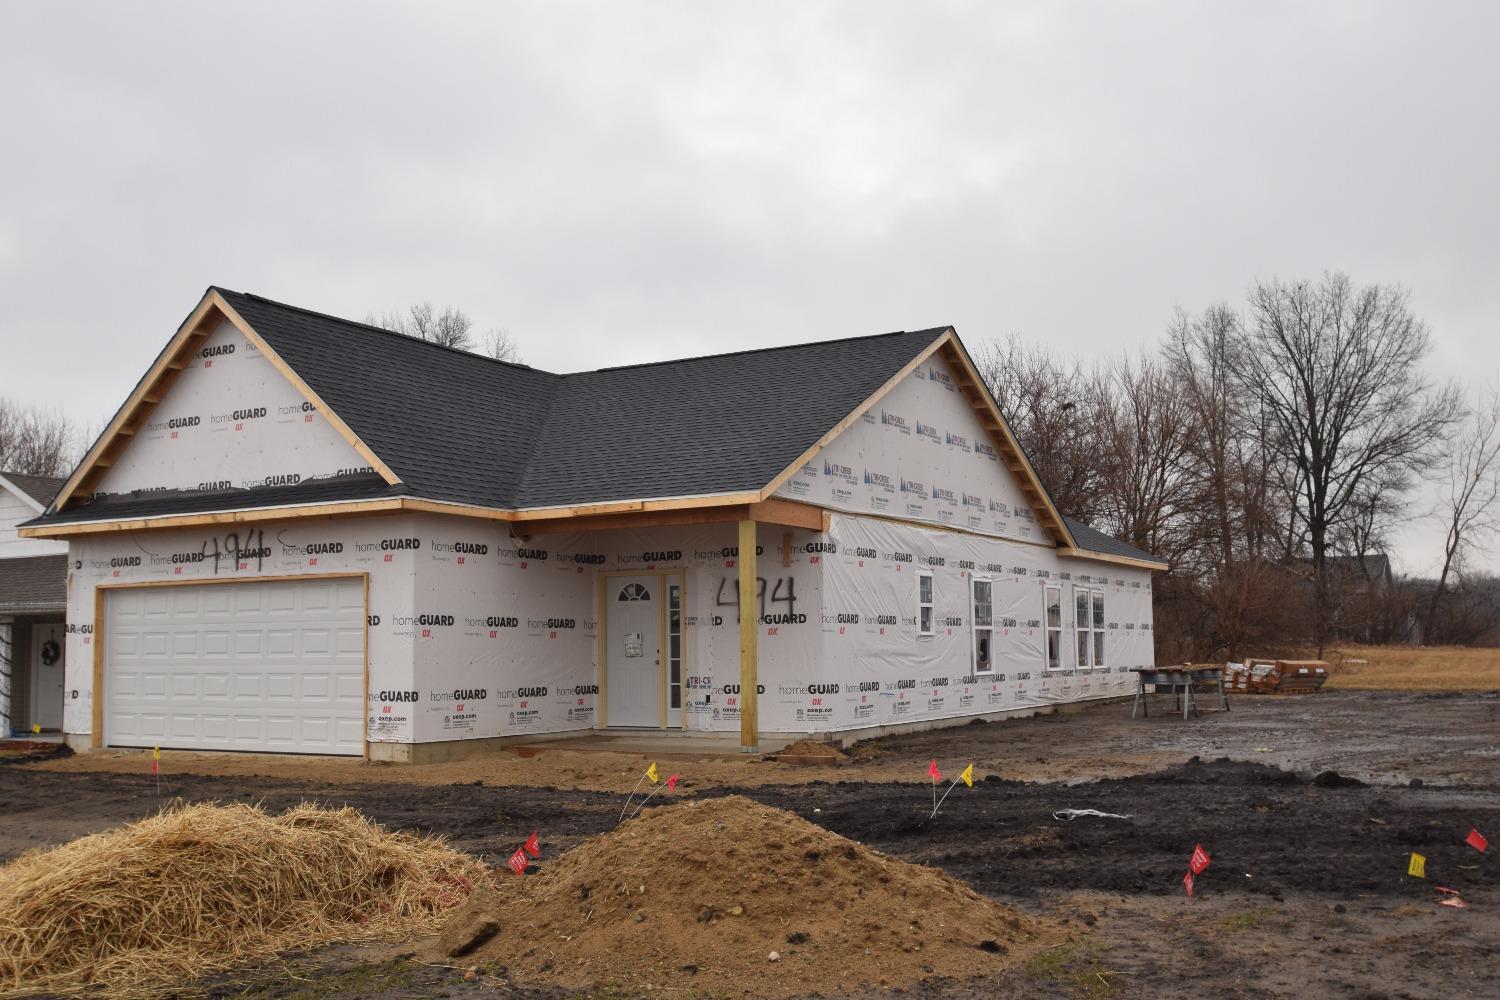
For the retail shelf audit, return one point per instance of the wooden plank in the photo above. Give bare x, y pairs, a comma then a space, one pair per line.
749, 636
643, 519
603, 668
788, 513
221, 517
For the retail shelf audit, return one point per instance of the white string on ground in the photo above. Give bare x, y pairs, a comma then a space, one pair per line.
1071, 814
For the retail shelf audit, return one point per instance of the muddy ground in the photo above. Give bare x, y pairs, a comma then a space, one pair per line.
1307, 894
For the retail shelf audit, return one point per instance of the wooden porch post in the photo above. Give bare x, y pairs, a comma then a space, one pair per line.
749, 631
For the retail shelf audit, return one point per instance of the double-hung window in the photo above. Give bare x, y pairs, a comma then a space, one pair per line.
984, 625
1054, 627
1088, 623
925, 602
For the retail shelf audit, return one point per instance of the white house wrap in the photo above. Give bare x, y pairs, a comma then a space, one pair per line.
307, 535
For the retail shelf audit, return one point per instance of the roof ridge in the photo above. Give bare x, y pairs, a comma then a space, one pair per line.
378, 329
936, 331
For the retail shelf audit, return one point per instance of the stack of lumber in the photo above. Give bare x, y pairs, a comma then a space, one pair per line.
1275, 676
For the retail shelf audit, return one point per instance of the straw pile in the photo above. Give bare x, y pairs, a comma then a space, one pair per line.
728, 896
202, 888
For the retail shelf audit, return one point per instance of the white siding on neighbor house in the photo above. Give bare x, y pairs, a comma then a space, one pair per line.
14, 510
230, 420
920, 455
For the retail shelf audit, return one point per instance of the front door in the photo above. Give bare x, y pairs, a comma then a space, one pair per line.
633, 679
47, 648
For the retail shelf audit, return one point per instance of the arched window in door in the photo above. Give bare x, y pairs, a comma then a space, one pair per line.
634, 592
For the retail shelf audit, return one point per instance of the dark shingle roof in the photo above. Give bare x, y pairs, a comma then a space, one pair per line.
39, 488
1097, 541
461, 427
164, 503
33, 583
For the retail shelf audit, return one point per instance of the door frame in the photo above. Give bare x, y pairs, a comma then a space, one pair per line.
101, 591
661, 576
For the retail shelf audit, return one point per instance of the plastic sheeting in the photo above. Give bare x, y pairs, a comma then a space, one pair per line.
230, 420
920, 455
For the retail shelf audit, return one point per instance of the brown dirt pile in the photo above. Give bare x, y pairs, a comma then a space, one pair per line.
695, 898
809, 748
203, 888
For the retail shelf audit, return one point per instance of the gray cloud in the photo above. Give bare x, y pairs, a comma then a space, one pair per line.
618, 183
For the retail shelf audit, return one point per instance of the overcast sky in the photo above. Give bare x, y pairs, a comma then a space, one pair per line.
627, 182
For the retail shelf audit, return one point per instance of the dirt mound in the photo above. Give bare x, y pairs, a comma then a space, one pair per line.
811, 749
202, 888
730, 895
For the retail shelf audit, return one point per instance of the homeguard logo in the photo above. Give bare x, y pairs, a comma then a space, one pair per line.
303, 407
285, 479
239, 416
727, 552
970, 500
828, 548
313, 549
842, 618
357, 471
783, 619
879, 480
914, 488
524, 692
552, 624
220, 484
735, 689
394, 697
578, 689
527, 555
493, 621
174, 424
398, 544
124, 562
937, 561
945, 495
843, 472
219, 351
661, 556
890, 419
956, 441
461, 694
461, 548
429, 621
904, 684
941, 378
582, 558
986, 449
902, 557
179, 558
928, 431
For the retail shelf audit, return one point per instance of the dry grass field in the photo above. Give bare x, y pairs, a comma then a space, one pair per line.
1414, 668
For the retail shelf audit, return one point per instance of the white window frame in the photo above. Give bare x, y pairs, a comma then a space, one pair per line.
1096, 605
975, 628
930, 606
1048, 629
1083, 639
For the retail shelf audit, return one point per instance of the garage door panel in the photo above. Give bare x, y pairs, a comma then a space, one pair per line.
273, 666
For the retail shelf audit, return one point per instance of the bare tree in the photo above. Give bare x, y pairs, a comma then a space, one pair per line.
35, 441
1336, 369
449, 328
500, 345
1046, 402
1472, 506
1146, 425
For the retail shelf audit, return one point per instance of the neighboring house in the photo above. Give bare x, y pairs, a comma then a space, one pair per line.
305, 534
33, 600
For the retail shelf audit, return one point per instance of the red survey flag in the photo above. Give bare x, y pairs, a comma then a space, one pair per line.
518, 861
1200, 860
155, 767
672, 783
1187, 883
1476, 840
933, 772
533, 846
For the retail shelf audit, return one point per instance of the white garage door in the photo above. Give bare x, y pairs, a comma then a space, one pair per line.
237, 666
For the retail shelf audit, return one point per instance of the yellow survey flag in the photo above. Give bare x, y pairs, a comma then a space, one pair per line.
968, 775
1418, 866
156, 753
651, 773
36, 728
